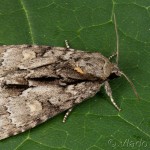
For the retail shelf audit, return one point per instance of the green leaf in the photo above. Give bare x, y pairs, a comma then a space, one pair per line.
88, 25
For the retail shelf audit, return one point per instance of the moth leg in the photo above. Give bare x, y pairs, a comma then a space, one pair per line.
113, 55
66, 115
109, 93
67, 45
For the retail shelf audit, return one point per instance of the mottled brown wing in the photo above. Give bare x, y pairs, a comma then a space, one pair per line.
27, 96
23, 110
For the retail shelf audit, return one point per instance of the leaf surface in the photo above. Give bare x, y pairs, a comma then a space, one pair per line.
88, 25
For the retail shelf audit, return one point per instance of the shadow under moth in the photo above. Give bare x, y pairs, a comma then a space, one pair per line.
39, 82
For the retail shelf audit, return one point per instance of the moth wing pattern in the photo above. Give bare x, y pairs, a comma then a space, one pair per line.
25, 103
36, 105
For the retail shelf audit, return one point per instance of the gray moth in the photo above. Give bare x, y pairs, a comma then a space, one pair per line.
39, 82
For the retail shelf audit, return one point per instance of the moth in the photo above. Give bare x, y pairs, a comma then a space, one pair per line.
39, 82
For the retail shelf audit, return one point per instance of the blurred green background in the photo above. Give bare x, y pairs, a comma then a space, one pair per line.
88, 25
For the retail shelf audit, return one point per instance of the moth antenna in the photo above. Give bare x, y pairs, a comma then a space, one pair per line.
117, 58
117, 40
131, 83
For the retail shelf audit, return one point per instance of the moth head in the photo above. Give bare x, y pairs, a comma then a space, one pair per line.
116, 72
